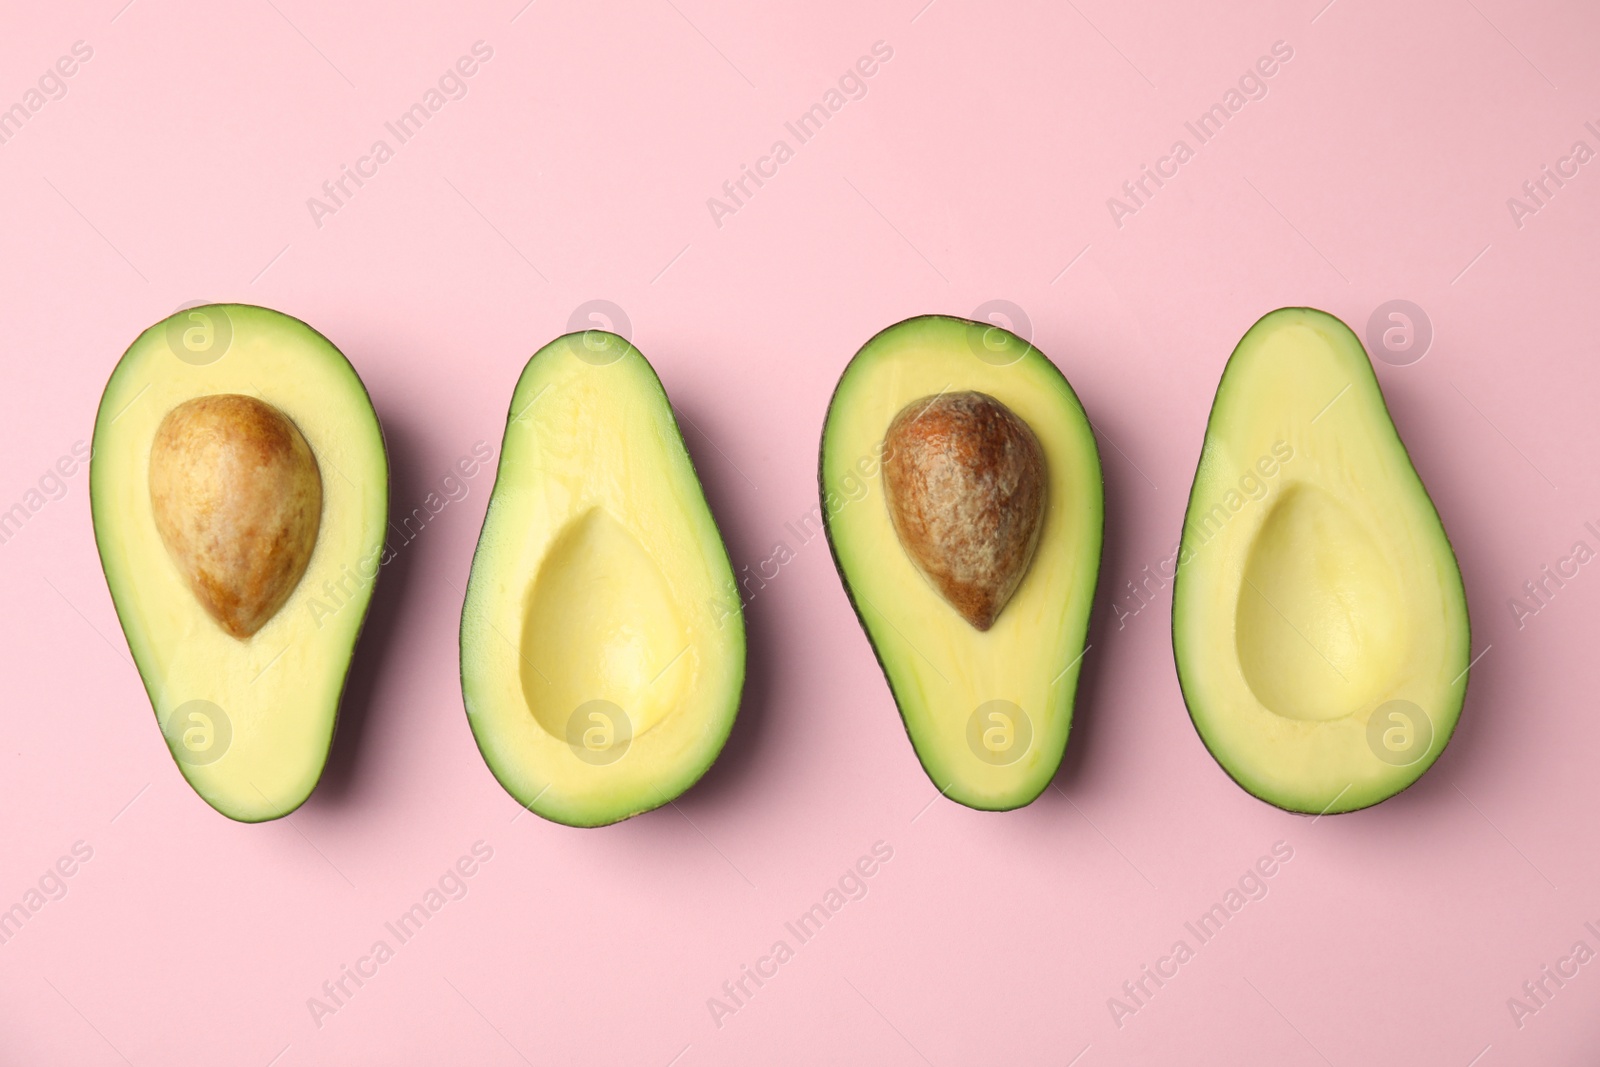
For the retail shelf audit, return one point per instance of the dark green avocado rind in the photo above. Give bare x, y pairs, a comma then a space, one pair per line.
1183, 547
694, 775
249, 310
1070, 694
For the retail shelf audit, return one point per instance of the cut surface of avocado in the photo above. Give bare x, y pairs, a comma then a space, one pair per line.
984, 683
239, 486
602, 636
1318, 618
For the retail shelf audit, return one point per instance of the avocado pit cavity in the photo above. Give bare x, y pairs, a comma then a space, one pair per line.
964, 479
237, 499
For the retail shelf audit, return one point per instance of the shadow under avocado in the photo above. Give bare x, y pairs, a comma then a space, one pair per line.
339, 775
1118, 479
728, 493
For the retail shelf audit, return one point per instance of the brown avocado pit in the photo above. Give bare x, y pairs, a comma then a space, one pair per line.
964, 479
237, 499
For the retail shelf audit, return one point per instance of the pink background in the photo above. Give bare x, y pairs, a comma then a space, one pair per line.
177, 168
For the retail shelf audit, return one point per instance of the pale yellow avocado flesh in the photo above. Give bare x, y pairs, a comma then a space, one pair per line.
602, 637
1316, 589
988, 712
250, 721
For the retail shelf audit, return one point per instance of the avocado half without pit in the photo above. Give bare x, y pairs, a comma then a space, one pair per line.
239, 486
1318, 618
602, 635
963, 501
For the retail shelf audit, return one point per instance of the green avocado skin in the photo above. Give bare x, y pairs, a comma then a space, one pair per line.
962, 329
717, 730
1189, 689
244, 318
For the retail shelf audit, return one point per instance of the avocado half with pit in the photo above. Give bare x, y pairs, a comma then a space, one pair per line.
963, 502
239, 487
602, 636
1318, 617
